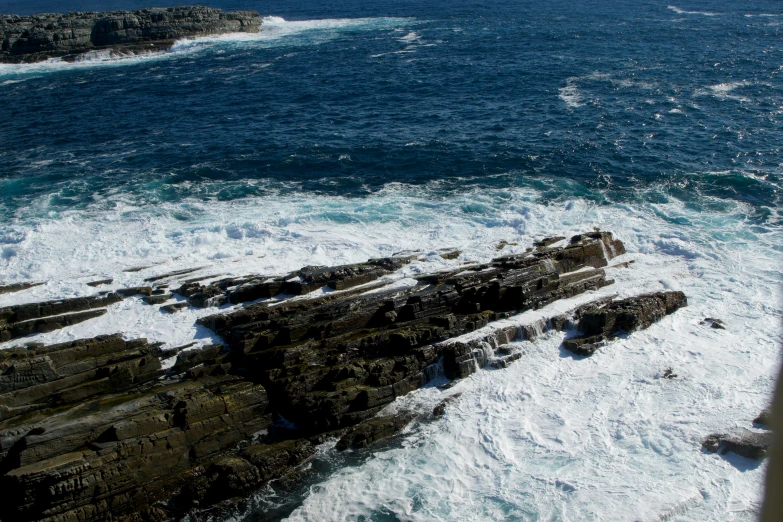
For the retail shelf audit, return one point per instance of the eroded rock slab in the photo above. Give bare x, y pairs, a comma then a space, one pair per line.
603, 323
94, 429
20, 320
746, 443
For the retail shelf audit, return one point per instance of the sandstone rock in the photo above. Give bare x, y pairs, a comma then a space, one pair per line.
746, 443
92, 429
603, 323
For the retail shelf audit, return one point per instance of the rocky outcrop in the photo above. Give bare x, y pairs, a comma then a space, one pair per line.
333, 361
373, 430
43, 36
18, 321
764, 418
746, 443
604, 322
97, 429
17, 287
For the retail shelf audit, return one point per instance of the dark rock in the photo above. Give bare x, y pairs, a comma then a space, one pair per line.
505, 361
451, 254
174, 307
135, 290
440, 409
547, 241
668, 373
373, 430
604, 322
275, 460
137, 269
91, 430
713, 323
100, 282
156, 299
625, 264
16, 287
172, 274
746, 443
43, 36
191, 358
20, 320
764, 418
47, 324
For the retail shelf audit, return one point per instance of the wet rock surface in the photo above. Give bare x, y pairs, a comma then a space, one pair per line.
605, 322
17, 287
746, 443
20, 320
39, 37
97, 429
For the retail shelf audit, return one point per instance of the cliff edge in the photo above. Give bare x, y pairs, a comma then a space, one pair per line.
40, 37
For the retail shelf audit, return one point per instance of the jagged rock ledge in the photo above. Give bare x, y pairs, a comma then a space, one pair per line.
96, 429
39, 37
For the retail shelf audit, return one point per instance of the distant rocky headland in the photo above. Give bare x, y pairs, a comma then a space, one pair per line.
100, 428
29, 39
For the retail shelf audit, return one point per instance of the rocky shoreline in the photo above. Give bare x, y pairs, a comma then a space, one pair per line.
98, 429
39, 37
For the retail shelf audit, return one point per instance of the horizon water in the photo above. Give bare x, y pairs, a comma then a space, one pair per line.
345, 131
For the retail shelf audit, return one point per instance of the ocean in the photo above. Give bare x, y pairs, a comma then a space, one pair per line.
358, 129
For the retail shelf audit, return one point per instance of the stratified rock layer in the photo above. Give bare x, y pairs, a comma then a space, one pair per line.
95, 429
43, 36
602, 323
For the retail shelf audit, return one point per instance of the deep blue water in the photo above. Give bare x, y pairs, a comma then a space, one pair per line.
612, 101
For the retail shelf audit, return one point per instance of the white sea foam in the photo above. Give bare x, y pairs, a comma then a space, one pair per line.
570, 94
683, 11
552, 437
723, 91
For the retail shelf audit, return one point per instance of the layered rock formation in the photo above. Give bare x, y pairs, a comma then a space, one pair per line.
39, 37
97, 429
